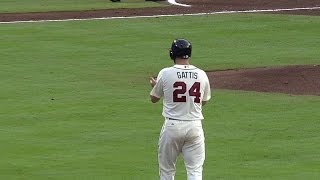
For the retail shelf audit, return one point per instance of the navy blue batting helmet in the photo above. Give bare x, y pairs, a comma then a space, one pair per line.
180, 48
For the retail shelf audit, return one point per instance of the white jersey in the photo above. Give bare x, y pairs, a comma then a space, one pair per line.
183, 88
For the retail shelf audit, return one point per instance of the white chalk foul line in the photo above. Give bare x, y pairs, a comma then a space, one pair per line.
178, 4
170, 15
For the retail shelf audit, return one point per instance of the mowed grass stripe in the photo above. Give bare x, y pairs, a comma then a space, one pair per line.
14, 6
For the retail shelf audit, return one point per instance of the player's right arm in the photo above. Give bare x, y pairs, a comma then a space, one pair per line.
207, 91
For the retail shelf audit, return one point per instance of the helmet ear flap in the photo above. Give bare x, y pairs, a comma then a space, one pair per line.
171, 54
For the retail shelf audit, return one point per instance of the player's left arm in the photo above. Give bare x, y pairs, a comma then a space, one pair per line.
154, 99
156, 91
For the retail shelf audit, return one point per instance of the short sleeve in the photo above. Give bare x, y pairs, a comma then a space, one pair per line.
157, 90
207, 90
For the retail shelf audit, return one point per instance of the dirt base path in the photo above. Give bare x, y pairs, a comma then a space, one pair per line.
198, 6
304, 80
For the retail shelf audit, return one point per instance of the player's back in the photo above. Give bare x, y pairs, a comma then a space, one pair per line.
184, 88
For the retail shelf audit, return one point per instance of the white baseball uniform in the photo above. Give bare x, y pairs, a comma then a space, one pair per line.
183, 88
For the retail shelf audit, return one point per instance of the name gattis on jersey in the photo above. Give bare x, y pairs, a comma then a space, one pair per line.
192, 75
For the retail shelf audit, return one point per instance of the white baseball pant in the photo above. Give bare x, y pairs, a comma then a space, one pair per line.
187, 138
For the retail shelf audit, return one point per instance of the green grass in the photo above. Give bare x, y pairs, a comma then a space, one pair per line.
74, 98
13, 6
264, 136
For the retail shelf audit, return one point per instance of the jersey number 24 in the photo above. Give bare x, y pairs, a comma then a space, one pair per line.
181, 88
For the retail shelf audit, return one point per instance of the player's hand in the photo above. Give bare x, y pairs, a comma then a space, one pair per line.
152, 81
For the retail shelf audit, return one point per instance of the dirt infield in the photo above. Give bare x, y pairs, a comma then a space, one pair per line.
300, 80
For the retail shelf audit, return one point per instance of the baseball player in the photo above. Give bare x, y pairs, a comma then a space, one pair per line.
185, 89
